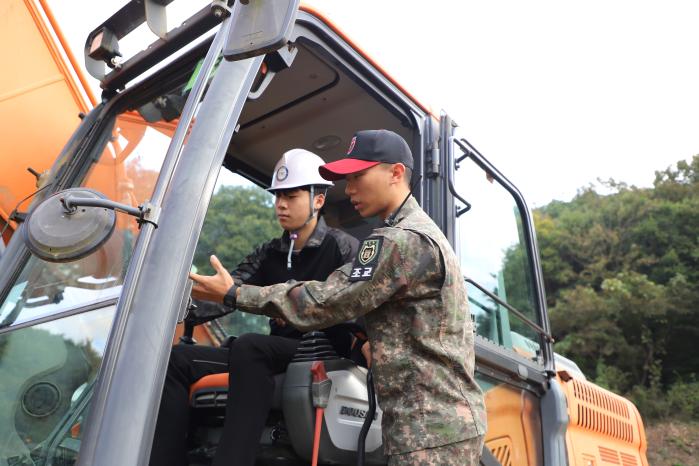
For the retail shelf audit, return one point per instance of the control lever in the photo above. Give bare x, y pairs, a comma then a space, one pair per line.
320, 389
187, 337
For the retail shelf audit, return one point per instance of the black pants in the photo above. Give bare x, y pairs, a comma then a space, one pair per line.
253, 361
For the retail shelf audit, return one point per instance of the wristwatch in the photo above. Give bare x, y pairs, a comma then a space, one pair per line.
230, 298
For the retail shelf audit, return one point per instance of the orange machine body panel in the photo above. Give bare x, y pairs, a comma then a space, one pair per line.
514, 426
605, 429
40, 99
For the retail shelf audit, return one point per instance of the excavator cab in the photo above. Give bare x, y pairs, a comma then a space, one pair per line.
84, 344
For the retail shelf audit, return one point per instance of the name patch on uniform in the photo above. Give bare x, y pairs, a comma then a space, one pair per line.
366, 260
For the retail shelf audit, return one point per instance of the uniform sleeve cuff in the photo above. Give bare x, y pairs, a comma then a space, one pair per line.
249, 297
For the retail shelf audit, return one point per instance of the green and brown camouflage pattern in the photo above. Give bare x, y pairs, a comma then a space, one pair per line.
419, 327
466, 453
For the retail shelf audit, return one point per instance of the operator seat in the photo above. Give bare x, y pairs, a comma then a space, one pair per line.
289, 429
211, 391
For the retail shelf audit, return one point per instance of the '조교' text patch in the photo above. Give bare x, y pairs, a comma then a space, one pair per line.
366, 260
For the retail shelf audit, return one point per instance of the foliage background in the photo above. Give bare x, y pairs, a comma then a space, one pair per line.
621, 272
239, 219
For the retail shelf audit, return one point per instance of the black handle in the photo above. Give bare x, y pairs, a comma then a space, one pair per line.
187, 337
361, 449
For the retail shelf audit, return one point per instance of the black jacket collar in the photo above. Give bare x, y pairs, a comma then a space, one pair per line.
314, 241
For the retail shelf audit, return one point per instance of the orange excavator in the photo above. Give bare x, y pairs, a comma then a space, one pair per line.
42, 95
88, 316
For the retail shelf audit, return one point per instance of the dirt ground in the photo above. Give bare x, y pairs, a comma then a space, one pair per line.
673, 444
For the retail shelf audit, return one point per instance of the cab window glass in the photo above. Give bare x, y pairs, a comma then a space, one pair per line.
240, 218
126, 171
493, 253
47, 369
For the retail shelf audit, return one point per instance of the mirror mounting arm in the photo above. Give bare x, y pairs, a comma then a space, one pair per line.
145, 213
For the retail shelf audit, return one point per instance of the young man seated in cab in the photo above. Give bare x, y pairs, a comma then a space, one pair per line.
307, 250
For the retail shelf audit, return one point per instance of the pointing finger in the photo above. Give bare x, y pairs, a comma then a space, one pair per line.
216, 264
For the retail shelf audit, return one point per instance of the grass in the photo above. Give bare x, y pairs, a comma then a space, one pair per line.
673, 443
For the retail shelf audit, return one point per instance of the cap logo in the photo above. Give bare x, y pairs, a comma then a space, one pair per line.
351, 146
282, 173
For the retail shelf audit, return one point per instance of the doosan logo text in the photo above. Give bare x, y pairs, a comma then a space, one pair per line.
354, 412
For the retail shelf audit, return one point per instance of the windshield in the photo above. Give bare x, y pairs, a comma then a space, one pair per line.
46, 369
125, 171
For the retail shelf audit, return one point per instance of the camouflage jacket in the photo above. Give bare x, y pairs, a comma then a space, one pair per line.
407, 282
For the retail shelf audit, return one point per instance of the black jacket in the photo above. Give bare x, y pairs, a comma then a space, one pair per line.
326, 250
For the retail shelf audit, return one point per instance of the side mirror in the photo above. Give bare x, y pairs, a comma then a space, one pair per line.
259, 27
59, 234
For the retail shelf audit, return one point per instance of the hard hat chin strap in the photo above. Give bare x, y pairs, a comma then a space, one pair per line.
293, 235
292, 238
313, 211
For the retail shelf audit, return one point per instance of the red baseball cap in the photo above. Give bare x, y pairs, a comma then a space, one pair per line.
367, 149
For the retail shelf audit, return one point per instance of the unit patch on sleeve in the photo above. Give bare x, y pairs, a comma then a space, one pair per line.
366, 260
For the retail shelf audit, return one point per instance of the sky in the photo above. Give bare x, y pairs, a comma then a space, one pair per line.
556, 94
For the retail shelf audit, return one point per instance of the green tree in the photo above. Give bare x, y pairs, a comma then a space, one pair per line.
239, 219
622, 277
622, 326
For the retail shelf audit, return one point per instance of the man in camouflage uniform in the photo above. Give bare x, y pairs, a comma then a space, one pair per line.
407, 283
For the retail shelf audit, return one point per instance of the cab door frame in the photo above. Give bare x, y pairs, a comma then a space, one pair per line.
491, 359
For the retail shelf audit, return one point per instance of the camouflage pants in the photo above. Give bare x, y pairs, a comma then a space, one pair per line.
466, 453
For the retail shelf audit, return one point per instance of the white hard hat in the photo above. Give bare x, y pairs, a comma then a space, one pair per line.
297, 168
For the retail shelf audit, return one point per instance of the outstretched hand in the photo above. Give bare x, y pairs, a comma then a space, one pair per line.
212, 287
